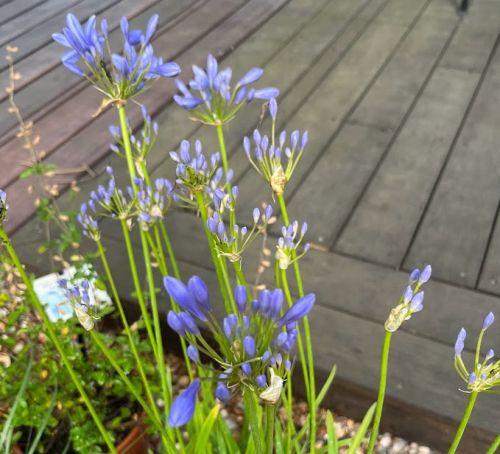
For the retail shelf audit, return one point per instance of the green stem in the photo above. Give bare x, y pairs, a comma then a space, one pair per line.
270, 417
147, 262
122, 114
463, 422
494, 446
384, 362
160, 358
251, 411
137, 285
152, 412
160, 257
224, 285
53, 337
300, 345
222, 145
126, 326
307, 333
170, 251
239, 274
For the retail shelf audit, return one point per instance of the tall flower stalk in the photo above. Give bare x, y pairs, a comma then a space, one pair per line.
484, 376
410, 302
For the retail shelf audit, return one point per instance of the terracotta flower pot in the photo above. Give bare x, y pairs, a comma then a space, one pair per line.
136, 441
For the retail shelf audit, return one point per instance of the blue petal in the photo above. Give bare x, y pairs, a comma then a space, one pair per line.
183, 406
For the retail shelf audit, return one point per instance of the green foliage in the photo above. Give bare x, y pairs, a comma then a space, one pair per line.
48, 379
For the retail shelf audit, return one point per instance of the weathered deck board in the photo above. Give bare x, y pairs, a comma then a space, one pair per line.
383, 224
58, 87
462, 209
21, 24
286, 68
41, 35
10, 10
341, 175
342, 88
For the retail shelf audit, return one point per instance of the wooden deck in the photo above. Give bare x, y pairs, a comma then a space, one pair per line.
401, 99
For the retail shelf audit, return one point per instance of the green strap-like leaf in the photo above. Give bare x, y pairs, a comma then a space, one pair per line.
332, 444
360, 434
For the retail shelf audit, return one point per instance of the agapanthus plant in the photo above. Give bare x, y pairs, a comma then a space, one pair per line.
215, 102
483, 377
119, 76
411, 301
253, 345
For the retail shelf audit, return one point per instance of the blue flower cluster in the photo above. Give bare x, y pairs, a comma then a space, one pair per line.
82, 299
129, 71
275, 160
142, 145
252, 342
231, 241
485, 374
289, 243
153, 203
215, 102
411, 301
194, 171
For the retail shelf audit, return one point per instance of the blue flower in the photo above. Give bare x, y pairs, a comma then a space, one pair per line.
182, 409
222, 392
193, 353
240, 296
232, 242
199, 290
459, 344
289, 242
194, 171
261, 381
488, 320
299, 310
249, 346
275, 158
182, 295
130, 70
215, 102
411, 300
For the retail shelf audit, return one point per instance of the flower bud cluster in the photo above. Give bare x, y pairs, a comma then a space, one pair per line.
142, 145
486, 373
153, 202
287, 249
111, 201
215, 102
194, 171
275, 160
411, 301
232, 240
250, 343
83, 300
